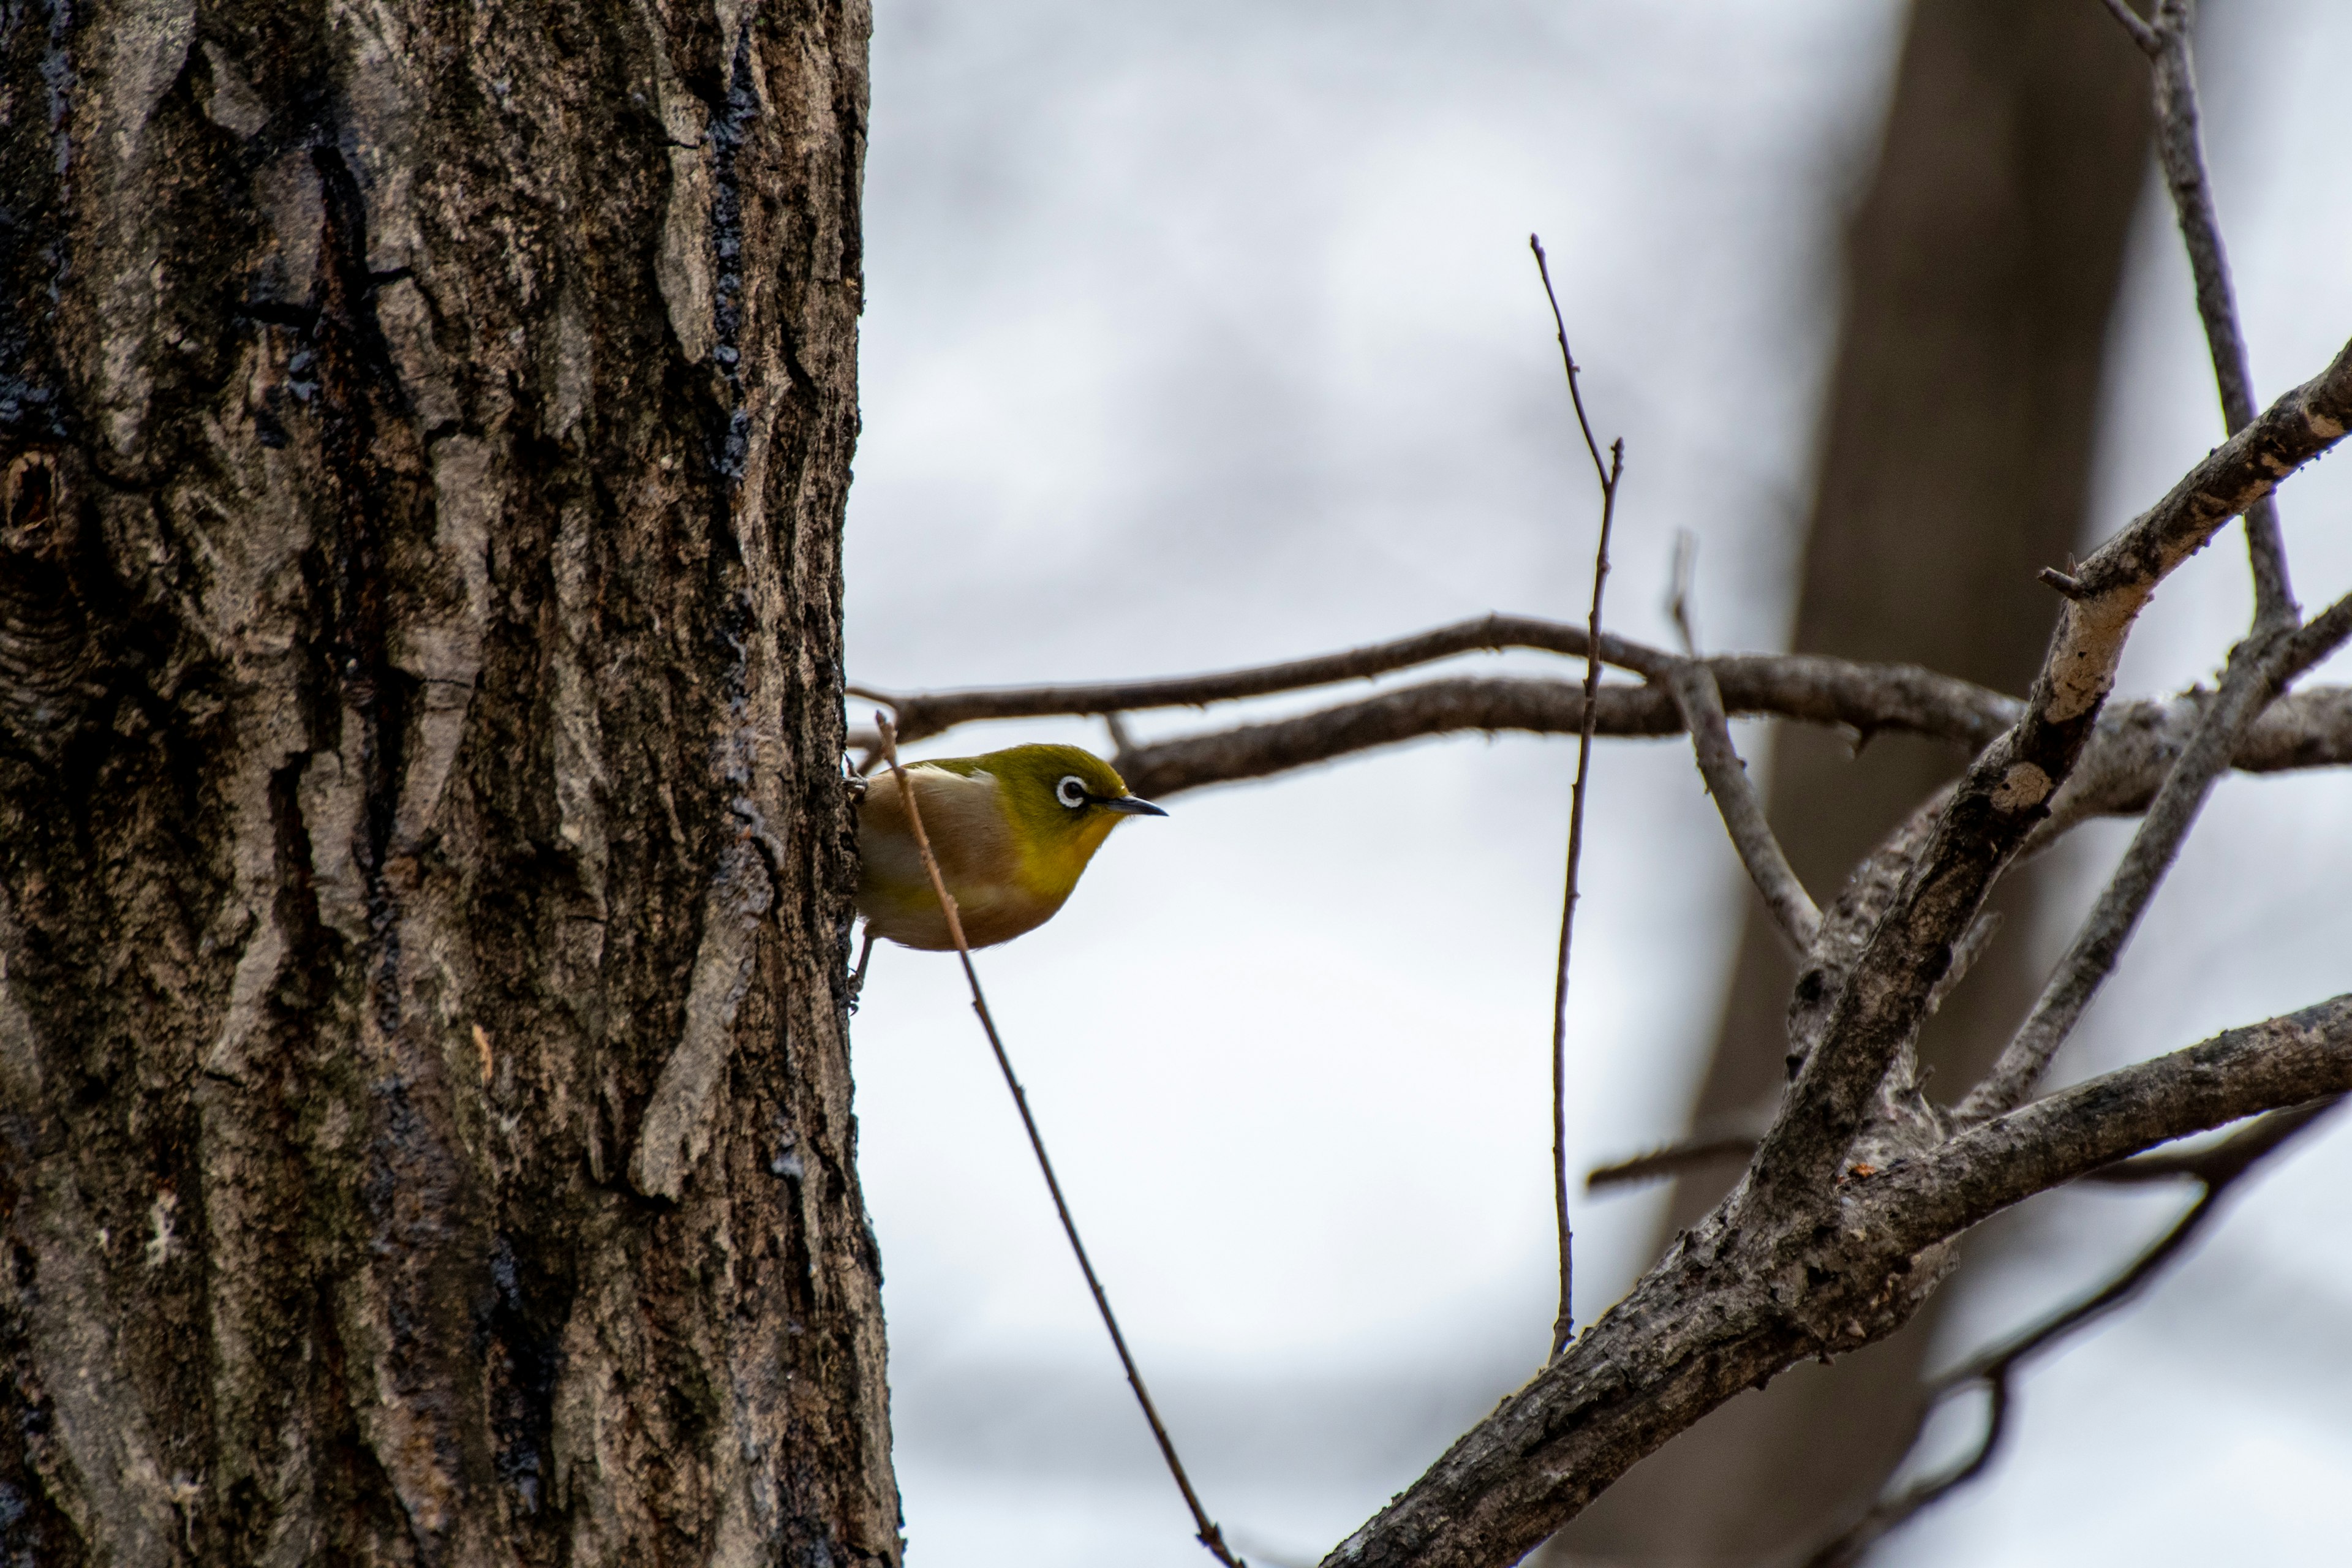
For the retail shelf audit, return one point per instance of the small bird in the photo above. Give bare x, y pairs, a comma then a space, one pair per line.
1012, 831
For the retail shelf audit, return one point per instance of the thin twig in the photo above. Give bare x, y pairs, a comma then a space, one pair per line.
1563, 1326
1700, 702
1716, 1140
1604, 472
1683, 569
2180, 149
1670, 1159
1206, 1528
2216, 1170
1795, 914
1121, 742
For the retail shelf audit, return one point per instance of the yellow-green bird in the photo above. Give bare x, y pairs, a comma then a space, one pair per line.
1012, 831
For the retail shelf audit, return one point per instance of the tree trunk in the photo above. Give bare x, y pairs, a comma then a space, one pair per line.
425, 1112
1954, 462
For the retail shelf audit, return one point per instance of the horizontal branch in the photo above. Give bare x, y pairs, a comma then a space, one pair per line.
922, 713
2138, 742
2283, 1061
1865, 697
2221, 1163
2135, 744
1698, 1148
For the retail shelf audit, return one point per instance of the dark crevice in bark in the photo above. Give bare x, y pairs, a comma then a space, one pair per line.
730, 122
427, 663
373, 453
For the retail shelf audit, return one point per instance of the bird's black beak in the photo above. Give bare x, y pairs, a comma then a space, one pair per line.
1127, 805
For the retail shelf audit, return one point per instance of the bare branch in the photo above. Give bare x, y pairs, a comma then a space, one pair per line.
2180, 150
1673, 1157
2220, 1163
2258, 668
2007, 790
2137, 743
1716, 1140
2280, 1062
1791, 907
925, 714
1747, 1292
2141, 33
1606, 473
1564, 1321
1995, 1369
1864, 698
2245, 691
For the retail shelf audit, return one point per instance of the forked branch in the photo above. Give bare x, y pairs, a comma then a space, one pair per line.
1809, 1257
1734, 1303
2007, 791
1995, 1369
2258, 668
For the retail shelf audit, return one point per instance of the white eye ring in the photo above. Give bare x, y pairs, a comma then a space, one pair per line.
1071, 792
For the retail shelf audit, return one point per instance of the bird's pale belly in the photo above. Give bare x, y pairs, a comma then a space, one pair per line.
909, 914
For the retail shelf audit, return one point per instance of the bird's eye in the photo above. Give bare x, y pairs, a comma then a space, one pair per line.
1071, 792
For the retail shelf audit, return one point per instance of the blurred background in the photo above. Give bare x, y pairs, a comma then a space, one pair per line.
1207, 336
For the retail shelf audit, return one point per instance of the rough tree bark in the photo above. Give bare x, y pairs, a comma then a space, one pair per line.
1981, 269
425, 1122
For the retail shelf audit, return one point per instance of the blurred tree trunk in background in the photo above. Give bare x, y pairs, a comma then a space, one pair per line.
425, 1125
1982, 268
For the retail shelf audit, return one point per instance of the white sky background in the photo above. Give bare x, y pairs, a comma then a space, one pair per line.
1206, 336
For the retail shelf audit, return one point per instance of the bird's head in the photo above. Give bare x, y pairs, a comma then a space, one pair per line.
1062, 802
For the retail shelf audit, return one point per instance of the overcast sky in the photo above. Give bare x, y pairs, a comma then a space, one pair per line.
1206, 335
